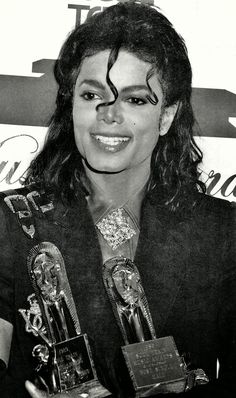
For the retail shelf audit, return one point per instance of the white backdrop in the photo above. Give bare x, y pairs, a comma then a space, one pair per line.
31, 30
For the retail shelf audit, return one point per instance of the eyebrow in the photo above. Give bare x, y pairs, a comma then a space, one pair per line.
99, 85
94, 83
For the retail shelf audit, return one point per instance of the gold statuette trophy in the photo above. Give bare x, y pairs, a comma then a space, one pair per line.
63, 357
154, 365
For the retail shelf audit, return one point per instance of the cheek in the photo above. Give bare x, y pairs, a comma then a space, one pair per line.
80, 128
83, 119
79, 138
148, 142
147, 130
145, 119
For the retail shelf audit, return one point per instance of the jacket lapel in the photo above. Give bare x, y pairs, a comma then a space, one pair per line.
161, 257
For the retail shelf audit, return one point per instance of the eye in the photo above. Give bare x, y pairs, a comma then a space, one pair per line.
136, 101
90, 96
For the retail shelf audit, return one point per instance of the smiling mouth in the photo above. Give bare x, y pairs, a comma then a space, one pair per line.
111, 141
110, 144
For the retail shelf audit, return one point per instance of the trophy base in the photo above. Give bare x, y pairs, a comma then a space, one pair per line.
162, 388
70, 368
155, 367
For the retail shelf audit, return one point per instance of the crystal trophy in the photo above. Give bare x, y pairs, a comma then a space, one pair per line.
63, 355
154, 364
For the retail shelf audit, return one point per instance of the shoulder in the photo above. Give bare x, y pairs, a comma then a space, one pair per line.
217, 220
19, 207
8, 206
212, 217
26, 199
205, 215
211, 203
37, 210
211, 206
192, 204
217, 210
197, 207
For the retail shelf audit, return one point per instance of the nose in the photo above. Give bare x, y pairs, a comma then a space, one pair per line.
110, 113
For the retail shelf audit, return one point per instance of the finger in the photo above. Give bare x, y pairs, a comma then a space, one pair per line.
33, 391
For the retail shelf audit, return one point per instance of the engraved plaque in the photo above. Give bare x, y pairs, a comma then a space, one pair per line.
155, 366
74, 362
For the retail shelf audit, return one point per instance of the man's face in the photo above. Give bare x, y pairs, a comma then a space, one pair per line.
123, 135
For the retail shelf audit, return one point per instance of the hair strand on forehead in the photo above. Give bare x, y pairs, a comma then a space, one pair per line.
111, 60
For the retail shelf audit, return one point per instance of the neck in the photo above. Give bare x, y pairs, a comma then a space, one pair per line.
119, 187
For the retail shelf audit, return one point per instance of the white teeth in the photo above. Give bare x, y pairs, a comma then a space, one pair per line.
111, 140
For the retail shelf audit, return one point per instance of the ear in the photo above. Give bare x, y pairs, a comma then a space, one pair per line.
167, 118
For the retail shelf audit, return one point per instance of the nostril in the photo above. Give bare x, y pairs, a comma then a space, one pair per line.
109, 113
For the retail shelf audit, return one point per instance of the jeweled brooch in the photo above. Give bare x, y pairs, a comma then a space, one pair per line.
115, 228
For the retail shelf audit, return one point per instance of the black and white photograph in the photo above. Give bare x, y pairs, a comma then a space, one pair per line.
117, 199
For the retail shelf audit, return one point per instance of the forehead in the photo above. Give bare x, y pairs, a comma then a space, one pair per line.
128, 69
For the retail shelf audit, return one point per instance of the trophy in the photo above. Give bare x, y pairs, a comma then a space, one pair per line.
154, 365
63, 356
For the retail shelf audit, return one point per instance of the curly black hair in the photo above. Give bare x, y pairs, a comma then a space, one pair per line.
144, 31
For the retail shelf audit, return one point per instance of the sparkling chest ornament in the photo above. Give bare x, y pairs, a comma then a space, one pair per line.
115, 228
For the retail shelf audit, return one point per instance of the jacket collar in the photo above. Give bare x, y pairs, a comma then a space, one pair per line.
161, 256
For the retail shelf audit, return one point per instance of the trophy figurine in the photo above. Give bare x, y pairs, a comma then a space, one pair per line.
63, 356
154, 365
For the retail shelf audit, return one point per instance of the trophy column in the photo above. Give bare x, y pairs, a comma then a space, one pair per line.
154, 365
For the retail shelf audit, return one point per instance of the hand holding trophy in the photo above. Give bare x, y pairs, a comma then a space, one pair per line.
36, 393
63, 356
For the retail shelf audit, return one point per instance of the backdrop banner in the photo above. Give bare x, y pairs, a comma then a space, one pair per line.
30, 42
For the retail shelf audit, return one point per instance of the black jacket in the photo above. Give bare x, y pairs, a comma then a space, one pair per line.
187, 265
